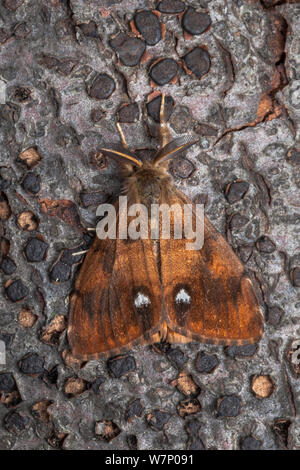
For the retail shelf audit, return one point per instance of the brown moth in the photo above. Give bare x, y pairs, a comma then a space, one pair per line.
143, 291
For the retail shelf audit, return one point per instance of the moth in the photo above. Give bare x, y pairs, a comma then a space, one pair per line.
144, 291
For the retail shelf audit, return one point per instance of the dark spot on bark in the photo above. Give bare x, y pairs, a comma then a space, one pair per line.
16, 422
193, 428
67, 256
250, 443
93, 199
281, 430
66, 66
4, 35
56, 439
102, 87
9, 393
60, 272
12, 4
132, 442
4, 183
96, 384
181, 167
128, 113
293, 357
189, 406
75, 386
21, 95
236, 190
7, 265
265, 245
89, 29
16, 291
153, 107
176, 357
31, 364
22, 30
36, 250
171, 6
64, 28
31, 183
7, 383
295, 276
109, 260
164, 71
97, 114
129, 49
274, 315
181, 120
157, 419
134, 409
107, 430
144, 311
5, 210
180, 306
245, 252
229, 406
247, 350
64, 209
88, 304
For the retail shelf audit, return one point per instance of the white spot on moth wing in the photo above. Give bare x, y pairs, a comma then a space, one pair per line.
141, 300
183, 297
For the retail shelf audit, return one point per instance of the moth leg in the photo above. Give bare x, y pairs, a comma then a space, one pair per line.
163, 131
122, 136
127, 166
